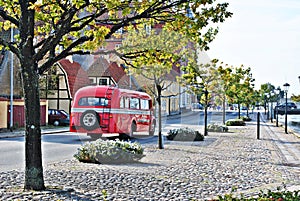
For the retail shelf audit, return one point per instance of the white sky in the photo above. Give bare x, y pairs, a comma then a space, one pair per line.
263, 35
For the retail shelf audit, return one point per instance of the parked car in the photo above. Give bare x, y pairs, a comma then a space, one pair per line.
290, 106
197, 106
58, 117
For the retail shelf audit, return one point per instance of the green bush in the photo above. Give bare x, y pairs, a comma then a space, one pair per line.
264, 196
245, 118
184, 134
217, 128
109, 151
235, 122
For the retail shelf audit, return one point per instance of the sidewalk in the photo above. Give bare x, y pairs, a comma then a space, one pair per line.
181, 171
288, 145
21, 133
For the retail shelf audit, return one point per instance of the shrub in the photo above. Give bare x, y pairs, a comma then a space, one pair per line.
264, 196
235, 122
109, 151
245, 118
184, 134
217, 128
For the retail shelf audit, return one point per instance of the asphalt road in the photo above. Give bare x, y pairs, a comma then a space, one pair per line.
62, 146
55, 147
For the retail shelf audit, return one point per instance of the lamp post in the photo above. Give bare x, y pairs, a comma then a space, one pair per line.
205, 112
286, 88
271, 98
277, 92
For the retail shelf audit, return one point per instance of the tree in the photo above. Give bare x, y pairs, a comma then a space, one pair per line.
295, 98
52, 30
154, 57
265, 92
201, 81
223, 85
236, 82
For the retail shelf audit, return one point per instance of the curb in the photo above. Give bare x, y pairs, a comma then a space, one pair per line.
22, 133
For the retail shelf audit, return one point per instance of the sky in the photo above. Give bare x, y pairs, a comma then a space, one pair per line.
265, 36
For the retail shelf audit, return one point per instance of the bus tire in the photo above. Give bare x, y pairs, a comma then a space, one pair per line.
90, 120
152, 128
95, 136
132, 129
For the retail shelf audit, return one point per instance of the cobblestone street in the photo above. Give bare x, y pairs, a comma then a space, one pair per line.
181, 171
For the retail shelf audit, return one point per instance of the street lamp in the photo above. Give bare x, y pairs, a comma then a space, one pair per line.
286, 88
271, 98
205, 112
277, 92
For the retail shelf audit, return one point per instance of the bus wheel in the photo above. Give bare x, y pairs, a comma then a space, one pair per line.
90, 120
152, 128
124, 136
95, 136
132, 129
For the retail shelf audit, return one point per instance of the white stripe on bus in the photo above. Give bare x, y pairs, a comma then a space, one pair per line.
112, 110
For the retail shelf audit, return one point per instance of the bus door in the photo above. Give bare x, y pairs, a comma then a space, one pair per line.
145, 118
123, 115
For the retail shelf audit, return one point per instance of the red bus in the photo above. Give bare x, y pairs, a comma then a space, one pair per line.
98, 110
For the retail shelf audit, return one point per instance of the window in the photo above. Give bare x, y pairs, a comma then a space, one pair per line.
134, 103
126, 102
92, 101
148, 29
118, 46
144, 104
103, 81
92, 80
119, 31
122, 102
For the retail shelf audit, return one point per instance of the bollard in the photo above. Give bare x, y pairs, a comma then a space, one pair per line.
258, 125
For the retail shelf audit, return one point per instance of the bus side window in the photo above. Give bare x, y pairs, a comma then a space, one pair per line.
144, 104
103, 101
134, 103
82, 101
126, 102
122, 102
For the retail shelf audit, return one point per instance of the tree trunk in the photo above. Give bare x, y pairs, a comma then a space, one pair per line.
160, 143
34, 179
205, 113
239, 110
224, 111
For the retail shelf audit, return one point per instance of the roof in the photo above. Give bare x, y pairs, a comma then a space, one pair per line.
98, 67
76, 76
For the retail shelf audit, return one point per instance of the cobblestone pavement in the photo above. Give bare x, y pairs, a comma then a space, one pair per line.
181, 171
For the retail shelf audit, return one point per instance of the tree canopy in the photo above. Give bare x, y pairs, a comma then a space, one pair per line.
48, 31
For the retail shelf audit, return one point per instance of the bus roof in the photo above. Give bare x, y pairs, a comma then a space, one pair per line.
102, 90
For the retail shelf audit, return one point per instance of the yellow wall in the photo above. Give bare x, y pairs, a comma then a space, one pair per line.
3, 114
4, 104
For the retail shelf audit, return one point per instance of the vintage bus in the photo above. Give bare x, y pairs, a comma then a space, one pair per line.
98, 110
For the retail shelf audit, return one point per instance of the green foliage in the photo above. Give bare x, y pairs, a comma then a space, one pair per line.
49, 31
264, 196
217, 128
235, 122
238, 83
245, 118
184, 134
109, 151
295, 98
